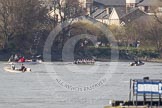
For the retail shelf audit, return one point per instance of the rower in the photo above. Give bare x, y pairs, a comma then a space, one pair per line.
12, 66
23, 68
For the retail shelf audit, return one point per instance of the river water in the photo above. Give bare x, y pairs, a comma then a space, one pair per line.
65, 85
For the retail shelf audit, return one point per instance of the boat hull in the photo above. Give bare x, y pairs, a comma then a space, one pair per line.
27, 62
8, 69
134, 64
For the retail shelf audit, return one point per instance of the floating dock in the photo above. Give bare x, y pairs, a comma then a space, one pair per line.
144, 93
138, 103
127, 107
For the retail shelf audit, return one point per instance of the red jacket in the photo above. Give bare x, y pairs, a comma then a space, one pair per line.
22, 59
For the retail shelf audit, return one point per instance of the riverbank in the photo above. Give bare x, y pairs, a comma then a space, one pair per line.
5, 57
155, 60
5, 54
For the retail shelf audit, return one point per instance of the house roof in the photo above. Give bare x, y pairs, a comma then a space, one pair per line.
100, 14
111, 2
133, 1
150, 3
145, 19
97, 12
132, 15
120, 11
104, 15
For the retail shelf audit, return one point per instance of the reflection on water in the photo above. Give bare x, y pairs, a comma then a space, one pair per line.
65, 85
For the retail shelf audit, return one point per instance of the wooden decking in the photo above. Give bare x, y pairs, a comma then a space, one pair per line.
126, 107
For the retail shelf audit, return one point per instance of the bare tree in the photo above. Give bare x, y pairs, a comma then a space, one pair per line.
68, 9
157, 12
20, 17
155, 31
6, 24
30, 14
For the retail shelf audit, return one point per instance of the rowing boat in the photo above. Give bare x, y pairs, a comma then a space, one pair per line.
8, 69
136, 64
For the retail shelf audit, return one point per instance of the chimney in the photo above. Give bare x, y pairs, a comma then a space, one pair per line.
107, 11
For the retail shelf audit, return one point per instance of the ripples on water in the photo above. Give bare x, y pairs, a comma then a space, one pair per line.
62, 85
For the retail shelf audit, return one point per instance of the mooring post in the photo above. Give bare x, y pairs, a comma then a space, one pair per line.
136, 99
144, 99
130, 89
159, 103
151, 99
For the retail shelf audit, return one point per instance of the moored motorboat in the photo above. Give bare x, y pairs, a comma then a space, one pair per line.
21, 59
27, 62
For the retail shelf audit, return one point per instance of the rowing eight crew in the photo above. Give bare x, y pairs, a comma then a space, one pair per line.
84, 61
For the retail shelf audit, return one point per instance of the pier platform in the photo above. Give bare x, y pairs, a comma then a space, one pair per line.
127, 107
138, 104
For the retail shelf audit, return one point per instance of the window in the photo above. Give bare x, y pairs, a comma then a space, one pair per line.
160, 9
146, 8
